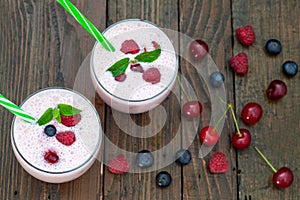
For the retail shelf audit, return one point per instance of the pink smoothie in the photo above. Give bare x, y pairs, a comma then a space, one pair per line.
134, 95
30, 143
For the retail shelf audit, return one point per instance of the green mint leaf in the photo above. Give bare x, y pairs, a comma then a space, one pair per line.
46, 117
68, 110
148, 56
119, 67
56, 115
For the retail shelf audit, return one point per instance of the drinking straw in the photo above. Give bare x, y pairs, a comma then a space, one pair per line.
16, 110
85, 23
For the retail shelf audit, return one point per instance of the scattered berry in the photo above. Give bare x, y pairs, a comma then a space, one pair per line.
283, 178
290, 68
251, 113
239, 63
130, 46
209, 136
70, 121
152, 75
246, 35
183, 157
276, 90
241, 141
163, 179
67, 137
121, 77
192, 109
198, 49
144, 159
136, 68
273, 47
216, 79
218, 163
155, 44
50, 130
51, 156
118, 165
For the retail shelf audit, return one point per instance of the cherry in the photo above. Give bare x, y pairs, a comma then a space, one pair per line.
51, 156
251, 113
241, 139
192, 109
276, 90
209, 135
282, 177
198, 49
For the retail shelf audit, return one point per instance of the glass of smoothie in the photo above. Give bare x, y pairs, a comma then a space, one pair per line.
66, 139
140, 74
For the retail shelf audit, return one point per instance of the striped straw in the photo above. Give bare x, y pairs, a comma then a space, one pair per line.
16, 110
85, 23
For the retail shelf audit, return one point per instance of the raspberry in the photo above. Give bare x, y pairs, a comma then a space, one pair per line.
152, 75
51, 156
118, 165
130, 46
70, 121
239, 63
67, 138
246, 35
218, 163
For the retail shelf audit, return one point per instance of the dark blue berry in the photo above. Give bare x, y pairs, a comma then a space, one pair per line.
273, 47
216, 79
144, 159
183, 157
50, 130
163, 179
290, 68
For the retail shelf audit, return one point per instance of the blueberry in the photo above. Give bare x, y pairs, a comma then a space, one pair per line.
144, 159
163, 179
183, 157
216, 79
290, 68
273, 47
50, 130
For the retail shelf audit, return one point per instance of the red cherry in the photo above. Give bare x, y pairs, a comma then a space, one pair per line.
251, 113
192, 109
51, 156
241, 141
276, 90
283, 177
209, 136
198, 49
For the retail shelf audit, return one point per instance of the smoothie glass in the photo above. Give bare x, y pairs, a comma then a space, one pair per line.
30, 143
134, 95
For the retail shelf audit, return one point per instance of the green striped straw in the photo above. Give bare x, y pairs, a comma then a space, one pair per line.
16, 110
85, 23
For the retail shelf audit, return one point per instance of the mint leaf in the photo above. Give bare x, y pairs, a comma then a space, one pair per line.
148, 56
68, 110
56, 114
46, 117
119, 67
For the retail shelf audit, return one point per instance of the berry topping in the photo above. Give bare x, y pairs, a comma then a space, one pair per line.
273, 47
163, 179
67, 138
290, 68
246, 35
118, 165
216, 79
209, 135
192, 109
50, 130
136, 68
155, 44
51, 156
152, 75
144, 159
70, 121
239, 63
251, 113
218, 163
198, 49
130, 46
120, 78
183, 157
241, 141
276, 90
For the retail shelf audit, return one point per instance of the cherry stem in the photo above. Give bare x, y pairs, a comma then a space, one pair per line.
219, 121
265, 159
183, 90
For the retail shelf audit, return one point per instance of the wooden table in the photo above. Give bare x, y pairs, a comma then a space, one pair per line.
42, 45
